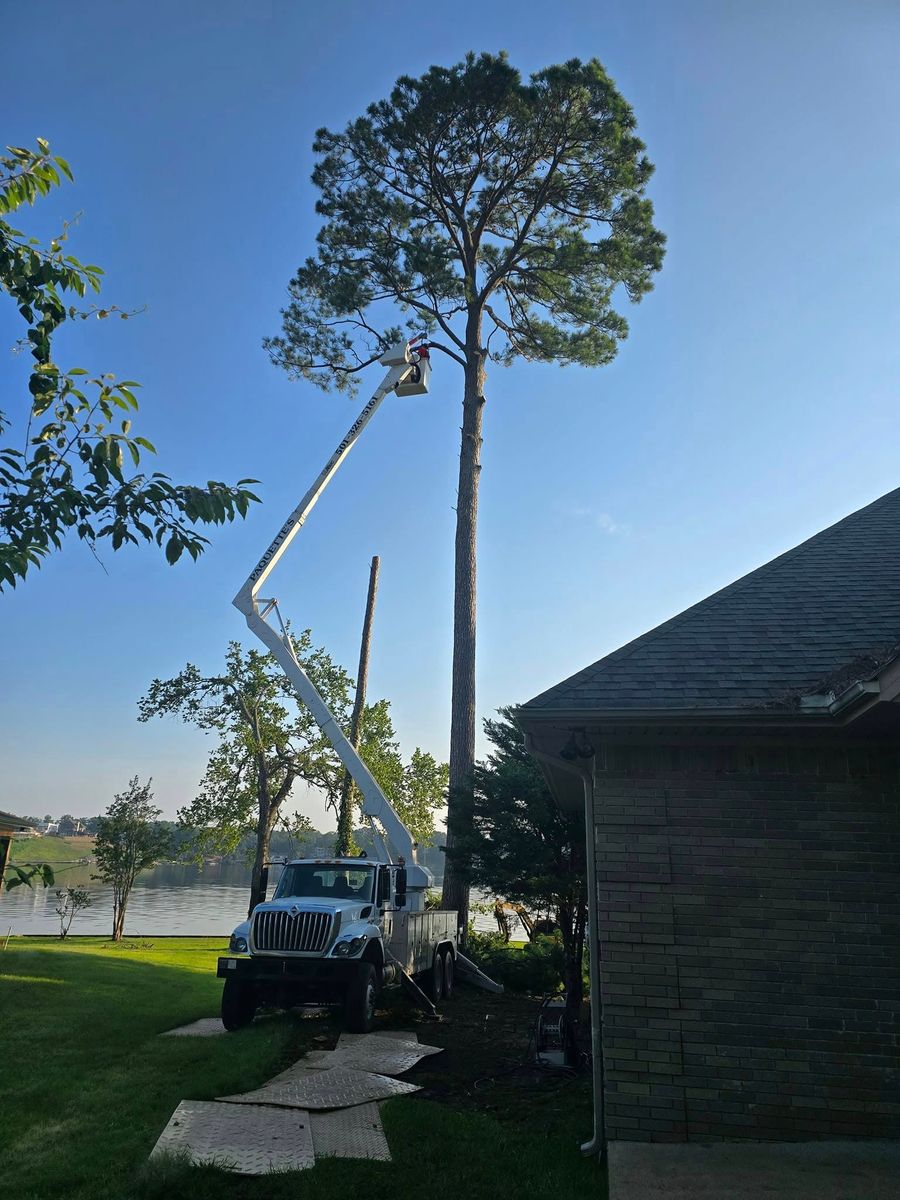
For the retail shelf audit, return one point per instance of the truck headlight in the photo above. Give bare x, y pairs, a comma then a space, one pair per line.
237, 945
350, 947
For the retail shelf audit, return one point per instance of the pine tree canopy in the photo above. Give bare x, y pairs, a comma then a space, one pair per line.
472, 203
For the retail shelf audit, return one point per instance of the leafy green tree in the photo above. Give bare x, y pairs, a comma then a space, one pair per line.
505, 218
380, 751
64, 467
417, 789
513, 839
297, 829
267, 743
69, 902
421, 793
129, 840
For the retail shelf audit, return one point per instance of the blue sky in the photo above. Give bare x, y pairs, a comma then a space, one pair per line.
753, 404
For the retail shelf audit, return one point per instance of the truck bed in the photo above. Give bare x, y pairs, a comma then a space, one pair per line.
412, 936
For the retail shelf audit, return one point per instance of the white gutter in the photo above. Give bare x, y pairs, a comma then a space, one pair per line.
836, 704
597, 1142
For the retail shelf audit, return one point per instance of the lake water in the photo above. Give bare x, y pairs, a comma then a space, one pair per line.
207, 901
201, 901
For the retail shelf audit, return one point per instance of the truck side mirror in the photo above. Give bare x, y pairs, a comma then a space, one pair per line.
400, 888
384, 886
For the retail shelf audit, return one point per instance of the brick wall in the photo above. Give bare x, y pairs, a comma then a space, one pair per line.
749, 903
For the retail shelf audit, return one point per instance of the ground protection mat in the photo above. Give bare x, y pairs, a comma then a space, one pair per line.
388, 1044
205, 1027
350, 1133
248, 1140
402, 1035
338, 1088
387, 1057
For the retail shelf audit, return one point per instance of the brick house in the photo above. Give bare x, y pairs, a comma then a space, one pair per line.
740, 771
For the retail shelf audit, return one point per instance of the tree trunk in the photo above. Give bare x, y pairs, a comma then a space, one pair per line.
345, 811
462, 701
119, 917
267, 817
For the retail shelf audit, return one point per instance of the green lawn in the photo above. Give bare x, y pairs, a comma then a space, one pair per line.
50, 849
87, 1087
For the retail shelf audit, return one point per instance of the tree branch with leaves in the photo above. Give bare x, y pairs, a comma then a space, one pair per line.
67, 466
267, 743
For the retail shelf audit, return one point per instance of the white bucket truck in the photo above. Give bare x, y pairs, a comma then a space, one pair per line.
338, 929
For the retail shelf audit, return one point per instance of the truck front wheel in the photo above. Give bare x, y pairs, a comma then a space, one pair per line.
359, 1007
238, 1004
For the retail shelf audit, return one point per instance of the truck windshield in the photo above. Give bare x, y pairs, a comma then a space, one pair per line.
330, 881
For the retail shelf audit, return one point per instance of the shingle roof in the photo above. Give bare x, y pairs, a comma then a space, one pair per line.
778, 632
9, 821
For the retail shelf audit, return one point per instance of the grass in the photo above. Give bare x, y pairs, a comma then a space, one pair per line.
50, 849
88, 1086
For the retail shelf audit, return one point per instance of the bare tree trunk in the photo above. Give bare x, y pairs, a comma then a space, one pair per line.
345, 811
462, 703
500, 916
119, 902
267, 817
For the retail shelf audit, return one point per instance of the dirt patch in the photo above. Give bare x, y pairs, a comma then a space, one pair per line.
488, 1061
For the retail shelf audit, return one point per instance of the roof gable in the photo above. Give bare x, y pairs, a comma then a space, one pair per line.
762, 641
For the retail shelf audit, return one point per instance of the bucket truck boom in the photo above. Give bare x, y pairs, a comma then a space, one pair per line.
408, 374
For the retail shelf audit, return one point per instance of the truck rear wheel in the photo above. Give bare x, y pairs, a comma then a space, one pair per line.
238, 1004
359, 1007
436, 982
449, 973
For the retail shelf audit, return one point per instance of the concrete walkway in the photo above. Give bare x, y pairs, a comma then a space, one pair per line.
868, 1170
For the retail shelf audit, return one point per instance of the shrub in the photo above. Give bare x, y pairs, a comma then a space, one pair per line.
536, 967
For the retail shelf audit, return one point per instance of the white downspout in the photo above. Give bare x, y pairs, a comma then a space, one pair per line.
597, 1142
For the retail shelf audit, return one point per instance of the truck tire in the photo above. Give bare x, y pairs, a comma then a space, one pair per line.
436, 979
449, 974
238, 1004
359, 1006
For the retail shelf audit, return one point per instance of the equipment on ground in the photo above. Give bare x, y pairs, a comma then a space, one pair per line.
551, 1033
338, 929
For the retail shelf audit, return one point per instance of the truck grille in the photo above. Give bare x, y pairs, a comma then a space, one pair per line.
306, 932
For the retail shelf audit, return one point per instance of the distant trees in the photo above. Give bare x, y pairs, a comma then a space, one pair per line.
129, 839
63, 469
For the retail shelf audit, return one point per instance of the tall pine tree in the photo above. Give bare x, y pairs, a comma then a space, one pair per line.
505, 218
